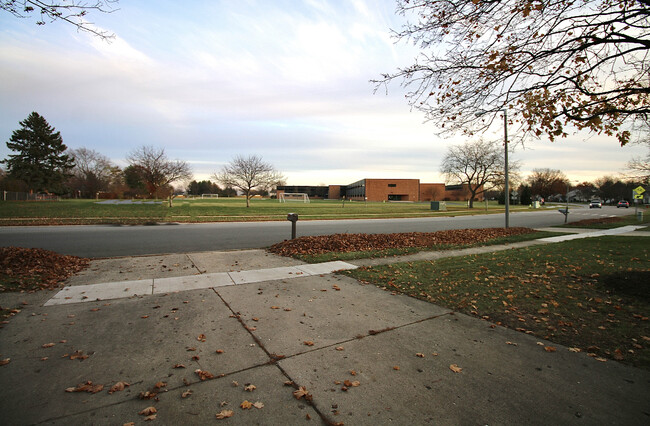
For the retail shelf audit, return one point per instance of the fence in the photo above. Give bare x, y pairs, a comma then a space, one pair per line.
26, 196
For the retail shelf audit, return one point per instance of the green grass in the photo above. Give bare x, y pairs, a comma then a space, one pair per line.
589, 294
214, 210
327, 257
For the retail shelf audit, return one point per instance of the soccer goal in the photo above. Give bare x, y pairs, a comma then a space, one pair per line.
209, 196
283, 197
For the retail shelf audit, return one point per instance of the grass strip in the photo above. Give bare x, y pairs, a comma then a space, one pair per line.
591, 295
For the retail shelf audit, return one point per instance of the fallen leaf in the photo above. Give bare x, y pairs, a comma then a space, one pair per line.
249, 387
47, 345
160, 385
201, 338
144, 316
550, 348
148, 411
396, 367
340, 348
287, 309
86, 387
301, 392
204, 375
129, 424
308, 343
179, 366
224, 414
150, 418
575, 350
186, 393
420, 355
246, 405
258, 405
337, 288
275, 307
219, 351
455, 368
5, 361
600, 359
119, 386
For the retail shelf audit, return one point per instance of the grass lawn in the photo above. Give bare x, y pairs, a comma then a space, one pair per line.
591, 295
214, 210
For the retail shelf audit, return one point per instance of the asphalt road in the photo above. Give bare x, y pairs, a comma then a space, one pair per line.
113, 241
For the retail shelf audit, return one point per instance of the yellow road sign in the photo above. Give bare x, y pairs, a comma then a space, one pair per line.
638, 196
639, 190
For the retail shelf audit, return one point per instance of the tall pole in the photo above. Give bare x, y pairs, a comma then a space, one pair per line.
507, 187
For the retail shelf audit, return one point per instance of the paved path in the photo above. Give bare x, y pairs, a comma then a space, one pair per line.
364, 355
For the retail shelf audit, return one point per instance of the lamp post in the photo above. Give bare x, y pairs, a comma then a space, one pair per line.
506, 180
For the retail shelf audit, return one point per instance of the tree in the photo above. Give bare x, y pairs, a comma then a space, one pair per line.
133, 180
155, 170
547, 182
612, 189
478, 164
92, 172
248, 174
551, 63
40, 160
203, 187
525, 195
73, 12
639, 167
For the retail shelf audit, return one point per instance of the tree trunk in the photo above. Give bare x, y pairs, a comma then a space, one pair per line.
248, 198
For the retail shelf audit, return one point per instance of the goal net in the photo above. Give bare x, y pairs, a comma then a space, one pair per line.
209, 196
283, 197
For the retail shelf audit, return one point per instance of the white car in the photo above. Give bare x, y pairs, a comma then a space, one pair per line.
595, 204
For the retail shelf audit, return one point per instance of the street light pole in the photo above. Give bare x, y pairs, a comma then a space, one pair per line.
506, 185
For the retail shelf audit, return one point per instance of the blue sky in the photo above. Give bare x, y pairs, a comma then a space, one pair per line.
287, 80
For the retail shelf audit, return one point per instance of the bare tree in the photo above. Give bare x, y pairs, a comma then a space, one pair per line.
91, 173
73, 12
547, 182
156, 170
249, 174
552, 64
478, 164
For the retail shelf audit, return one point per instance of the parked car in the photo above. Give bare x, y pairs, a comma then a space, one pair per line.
623, 203
595, 204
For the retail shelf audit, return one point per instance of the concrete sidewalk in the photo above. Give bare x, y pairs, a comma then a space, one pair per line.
364, 355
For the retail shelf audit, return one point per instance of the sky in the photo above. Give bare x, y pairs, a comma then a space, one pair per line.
287, 80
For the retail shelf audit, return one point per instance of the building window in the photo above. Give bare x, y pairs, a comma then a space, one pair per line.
392, 185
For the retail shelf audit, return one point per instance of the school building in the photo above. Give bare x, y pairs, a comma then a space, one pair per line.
385, 190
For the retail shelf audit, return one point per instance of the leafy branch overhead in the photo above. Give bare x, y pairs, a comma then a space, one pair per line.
552, 64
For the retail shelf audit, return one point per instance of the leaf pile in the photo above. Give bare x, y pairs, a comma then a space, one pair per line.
597, 221
29, 269
368, 242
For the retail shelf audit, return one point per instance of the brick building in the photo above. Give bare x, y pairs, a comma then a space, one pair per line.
386, 190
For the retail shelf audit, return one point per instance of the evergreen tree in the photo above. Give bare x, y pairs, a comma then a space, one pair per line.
40, 161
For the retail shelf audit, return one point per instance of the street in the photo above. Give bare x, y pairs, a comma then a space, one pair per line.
96, 241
